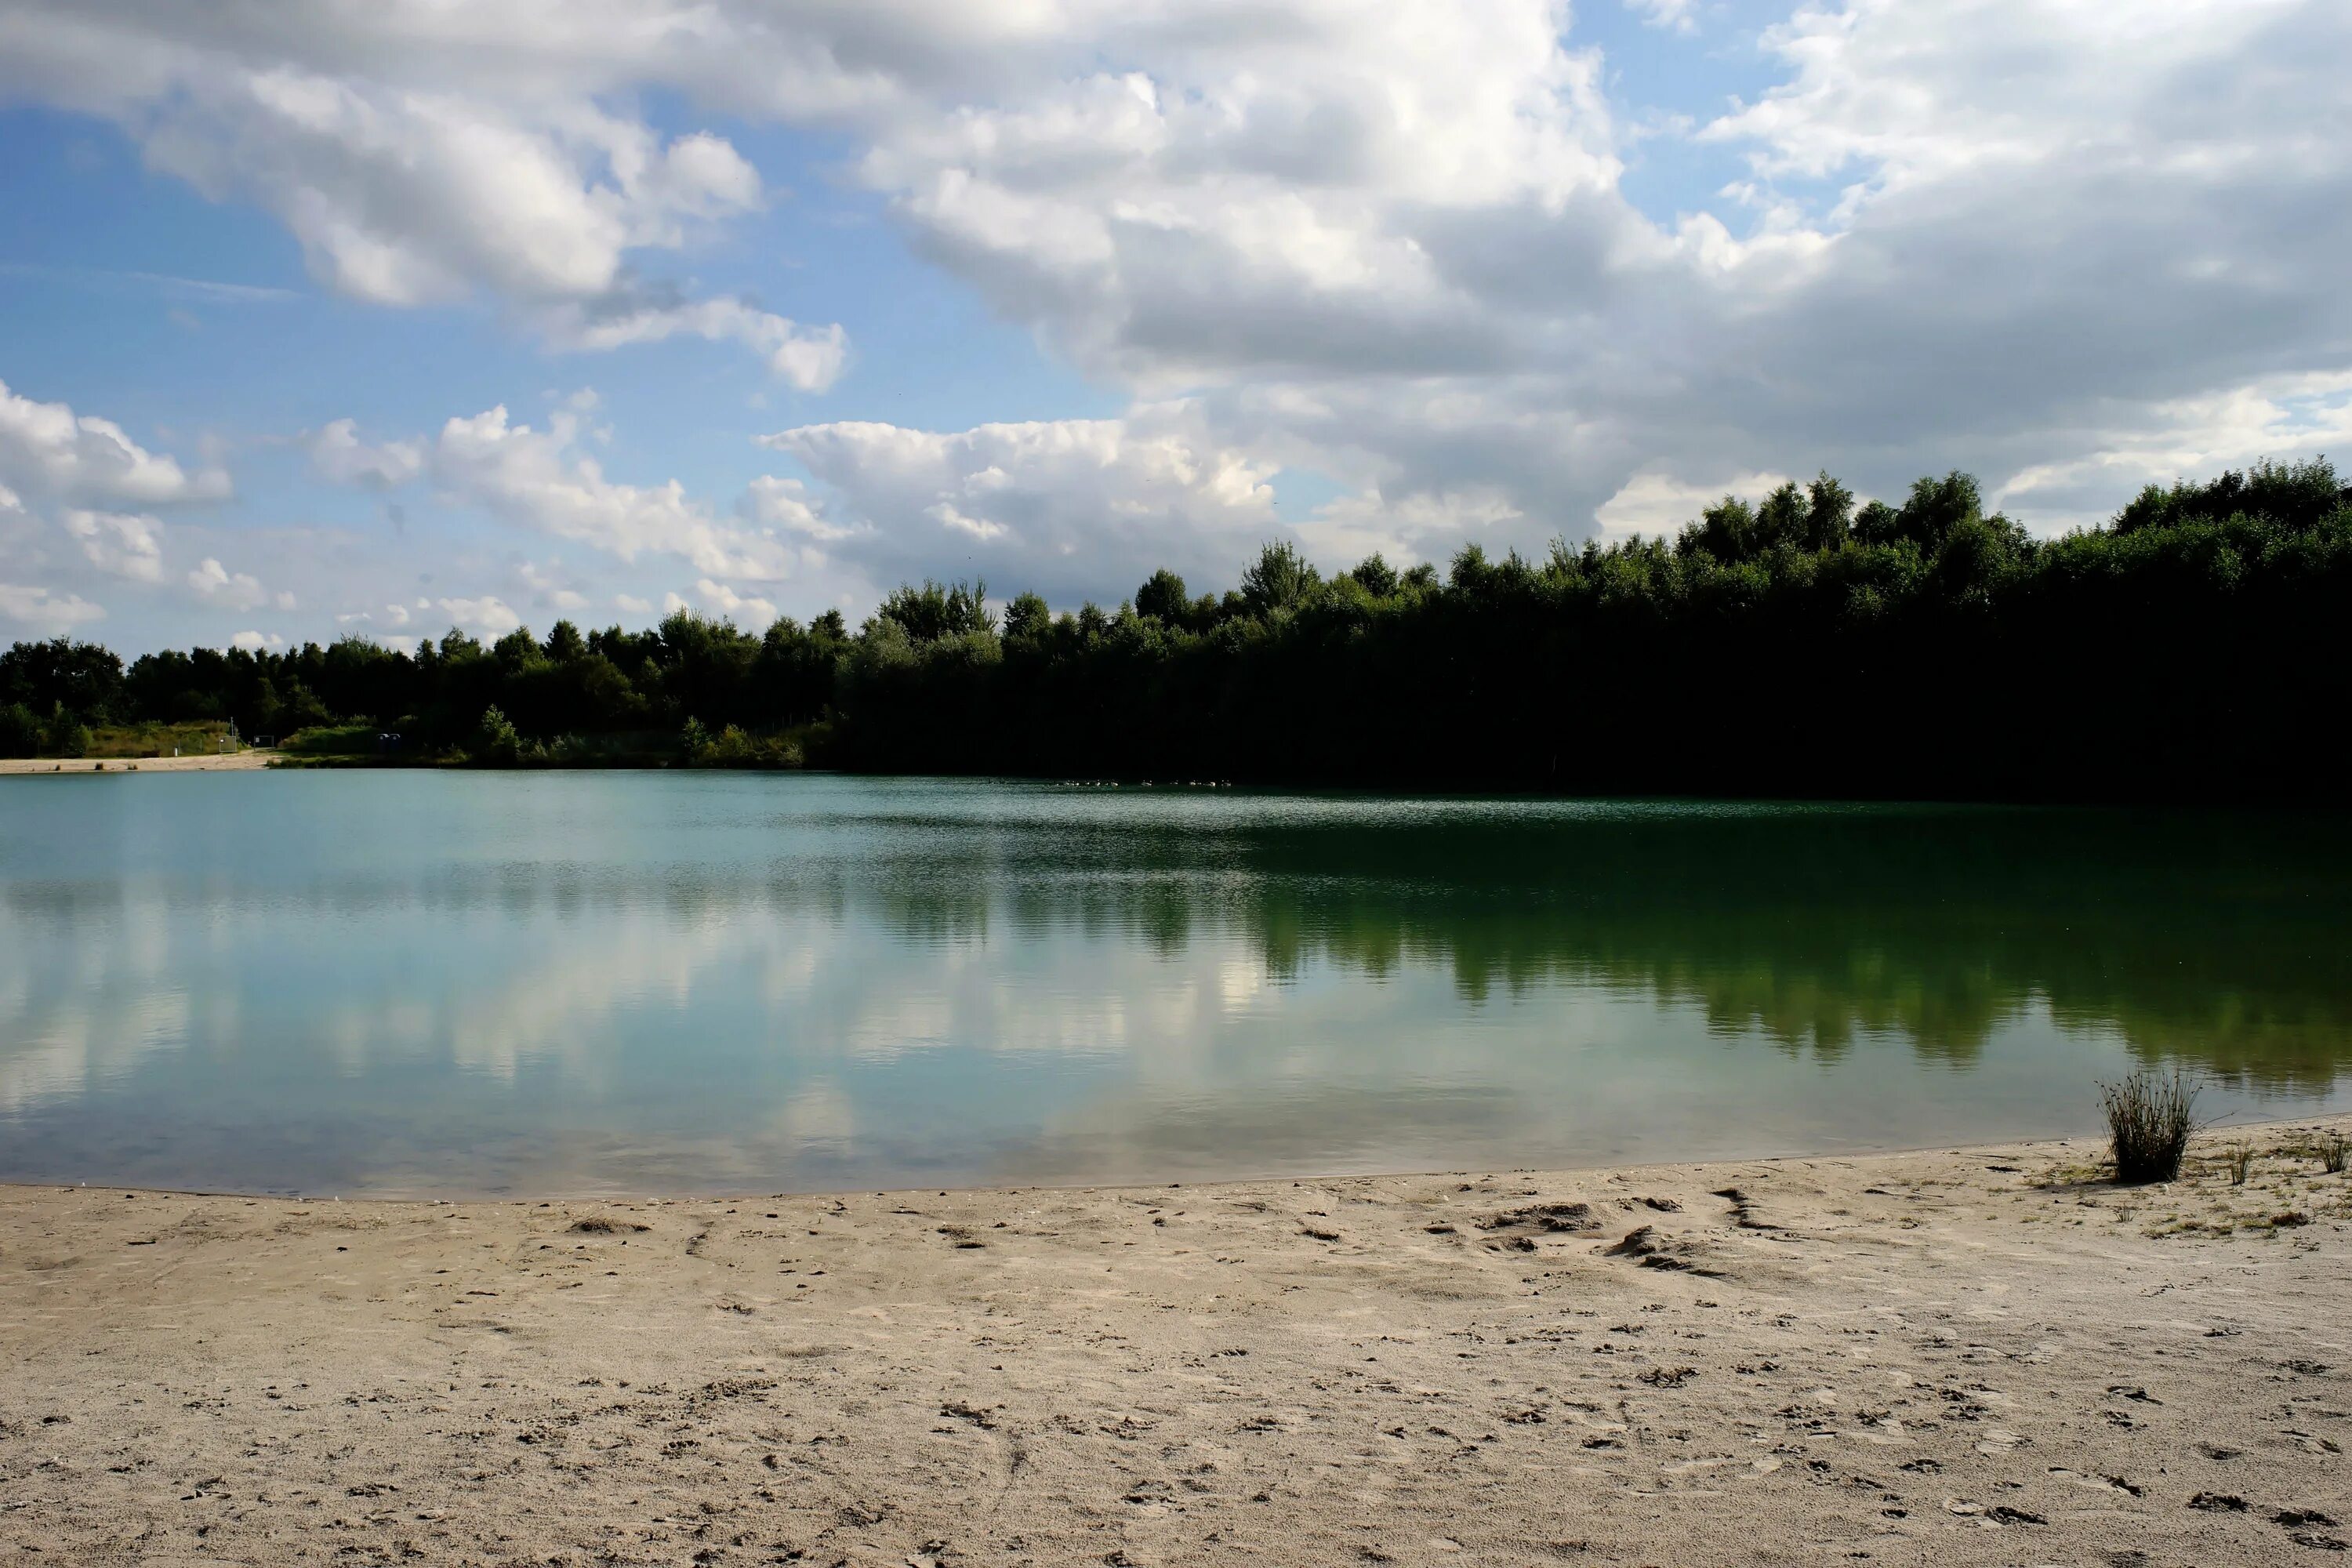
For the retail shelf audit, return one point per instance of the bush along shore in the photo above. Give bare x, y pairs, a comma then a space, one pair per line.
2193, 647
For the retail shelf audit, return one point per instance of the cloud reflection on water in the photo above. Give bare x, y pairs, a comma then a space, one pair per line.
608, 982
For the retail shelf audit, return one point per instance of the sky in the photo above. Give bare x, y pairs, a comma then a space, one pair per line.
325, 318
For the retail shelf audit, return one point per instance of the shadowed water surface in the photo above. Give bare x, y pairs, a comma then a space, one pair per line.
578, 983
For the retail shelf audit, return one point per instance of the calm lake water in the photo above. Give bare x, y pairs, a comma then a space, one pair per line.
434, 982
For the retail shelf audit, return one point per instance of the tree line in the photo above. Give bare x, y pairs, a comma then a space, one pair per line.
2194, 647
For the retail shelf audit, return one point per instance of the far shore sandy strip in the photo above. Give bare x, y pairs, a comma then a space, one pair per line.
1976, 1356
208, 762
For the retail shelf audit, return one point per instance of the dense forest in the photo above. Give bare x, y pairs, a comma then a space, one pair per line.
2193, 647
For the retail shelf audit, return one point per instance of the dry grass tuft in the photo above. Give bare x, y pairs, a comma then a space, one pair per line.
2149, 1119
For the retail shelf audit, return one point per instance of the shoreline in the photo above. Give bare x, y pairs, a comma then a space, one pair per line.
248, 761
1957, 1355
2210, 1135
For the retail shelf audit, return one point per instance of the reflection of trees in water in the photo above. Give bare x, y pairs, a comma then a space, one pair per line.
2213, 940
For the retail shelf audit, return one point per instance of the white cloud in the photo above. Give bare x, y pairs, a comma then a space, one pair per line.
1420, 526
1386, 241
255, 642
118, 544
744, 609
810, 358
630, 605
46, 449
390, 615
403, 195
1657, 505
1673, 14
232, 590
783, 503
44, 611
549, 590
2275, 418
338, 454
412, 168
539, 479
1063, 506
486, 616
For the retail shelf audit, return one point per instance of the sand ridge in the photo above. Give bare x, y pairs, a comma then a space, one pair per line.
1973, 1356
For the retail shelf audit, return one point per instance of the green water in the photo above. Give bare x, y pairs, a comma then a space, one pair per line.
571, 983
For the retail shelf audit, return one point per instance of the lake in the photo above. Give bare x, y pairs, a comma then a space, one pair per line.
422, 982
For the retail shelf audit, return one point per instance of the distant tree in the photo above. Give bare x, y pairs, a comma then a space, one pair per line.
935, 611
1783, 521
1829, 513
1280, 580
1937, 506
1378, 577
1725, 531
1027, 617
20, 731
1161, 598
1877, 524
564, 643
495, 740
84, 677
65, 735
1792, 644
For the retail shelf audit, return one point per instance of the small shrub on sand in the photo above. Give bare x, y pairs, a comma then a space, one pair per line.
2331, 1152
2149, 1119
2241, 1164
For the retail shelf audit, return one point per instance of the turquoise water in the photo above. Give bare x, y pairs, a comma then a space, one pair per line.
434, 982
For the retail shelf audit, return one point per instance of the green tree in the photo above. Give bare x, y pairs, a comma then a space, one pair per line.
1280, 579
20, 731
1161, 598
65, 735
1378, 577
495, 740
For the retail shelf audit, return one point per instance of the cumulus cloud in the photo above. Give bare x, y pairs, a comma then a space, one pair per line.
419, 152
255, 642
1657, 505
44, 612
749, 611
1675, 15
547, 588
118, 544
1063, 506
232, 590
484, 617
785, 505
46, 449
1425, 525
1387, 241
540, 479
810, 358
338, 454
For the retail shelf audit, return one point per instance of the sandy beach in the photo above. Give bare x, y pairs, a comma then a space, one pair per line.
1976, 1356
205, 763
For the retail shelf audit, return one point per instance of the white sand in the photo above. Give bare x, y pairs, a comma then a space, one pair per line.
235, 762
1959, 1357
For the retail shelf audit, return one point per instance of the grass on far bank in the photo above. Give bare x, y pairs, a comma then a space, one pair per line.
199, 738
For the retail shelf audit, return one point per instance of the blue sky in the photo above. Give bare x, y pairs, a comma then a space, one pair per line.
794, 304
